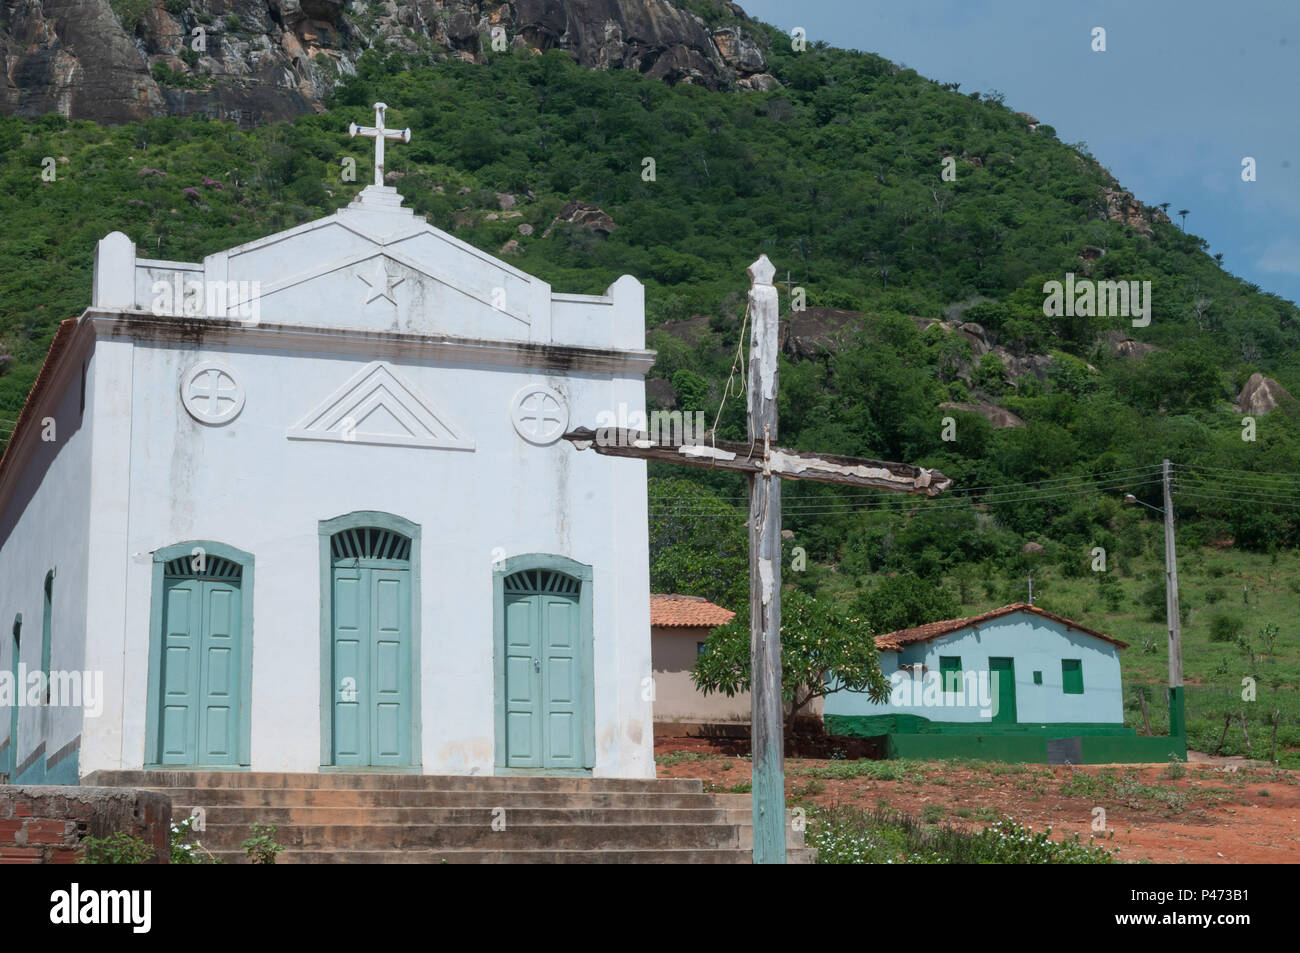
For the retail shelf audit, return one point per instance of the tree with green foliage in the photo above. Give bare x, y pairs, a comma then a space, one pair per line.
823, 651
698, 543
903, 601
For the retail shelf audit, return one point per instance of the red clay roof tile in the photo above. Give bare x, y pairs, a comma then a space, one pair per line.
894, 641
670, 609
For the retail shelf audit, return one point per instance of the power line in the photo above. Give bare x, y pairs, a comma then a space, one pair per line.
830, 507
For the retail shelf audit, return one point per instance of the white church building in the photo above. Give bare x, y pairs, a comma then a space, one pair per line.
304, 506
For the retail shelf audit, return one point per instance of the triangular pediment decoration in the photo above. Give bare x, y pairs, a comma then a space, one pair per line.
375, 406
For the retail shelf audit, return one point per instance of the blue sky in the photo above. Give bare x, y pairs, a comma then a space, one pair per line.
1184, 91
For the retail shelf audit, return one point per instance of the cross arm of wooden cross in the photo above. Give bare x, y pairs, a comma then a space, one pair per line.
745, 457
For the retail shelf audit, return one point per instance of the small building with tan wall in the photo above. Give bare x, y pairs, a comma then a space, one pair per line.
679, 627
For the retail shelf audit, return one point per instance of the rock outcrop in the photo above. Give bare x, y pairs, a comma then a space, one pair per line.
1261, 395
1123, 207
1125, 347
254, 61
585, 215
998, 417
815, 331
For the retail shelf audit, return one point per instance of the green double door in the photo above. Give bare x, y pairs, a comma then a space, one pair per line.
202, 660
544, 686
372, 663
1002, 686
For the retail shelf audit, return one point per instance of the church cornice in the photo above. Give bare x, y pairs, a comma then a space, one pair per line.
200, 331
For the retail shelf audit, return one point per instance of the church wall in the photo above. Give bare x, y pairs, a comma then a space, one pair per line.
43, 528
245, 483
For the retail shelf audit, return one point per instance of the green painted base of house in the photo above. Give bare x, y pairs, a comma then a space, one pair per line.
909, 736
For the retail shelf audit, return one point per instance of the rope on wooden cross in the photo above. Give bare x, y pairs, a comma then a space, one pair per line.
726, 388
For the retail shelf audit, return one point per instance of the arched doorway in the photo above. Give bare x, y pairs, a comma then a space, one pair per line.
200, 657
369, 663
545, 697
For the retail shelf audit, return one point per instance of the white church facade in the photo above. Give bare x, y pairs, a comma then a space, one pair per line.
326, 521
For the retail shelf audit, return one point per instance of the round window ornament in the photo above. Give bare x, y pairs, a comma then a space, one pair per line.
540, 414
212, 393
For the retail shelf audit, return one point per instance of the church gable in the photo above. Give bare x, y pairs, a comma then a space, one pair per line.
373, 265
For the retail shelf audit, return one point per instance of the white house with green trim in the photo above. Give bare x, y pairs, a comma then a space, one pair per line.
303, 506
1015, 683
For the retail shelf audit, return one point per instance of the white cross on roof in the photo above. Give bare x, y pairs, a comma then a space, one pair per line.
379, 132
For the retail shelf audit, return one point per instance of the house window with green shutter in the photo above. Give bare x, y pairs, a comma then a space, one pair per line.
1072, 676
950, 672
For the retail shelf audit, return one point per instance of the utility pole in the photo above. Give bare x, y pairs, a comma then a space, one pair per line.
766, 716
1177, 723
1031, 588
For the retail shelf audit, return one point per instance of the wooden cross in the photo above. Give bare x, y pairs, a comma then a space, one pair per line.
766, 465
379, 132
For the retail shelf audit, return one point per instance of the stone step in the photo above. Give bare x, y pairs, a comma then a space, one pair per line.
388, 782
793, 856
483, 837
210, 798
379, 818
460, 816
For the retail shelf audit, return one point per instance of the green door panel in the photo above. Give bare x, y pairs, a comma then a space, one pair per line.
372, 666
544, 688
523, 690
390, 666
12, 766
351, 619
1002, 684
201, 659
561, 682
219, 710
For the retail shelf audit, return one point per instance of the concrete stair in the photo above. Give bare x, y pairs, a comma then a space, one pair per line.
374, 818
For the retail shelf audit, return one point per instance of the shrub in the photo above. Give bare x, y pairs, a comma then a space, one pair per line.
262, 846
1225, 628
185, 852
117, 848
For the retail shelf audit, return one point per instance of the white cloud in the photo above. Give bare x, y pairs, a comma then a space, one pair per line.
1281, 257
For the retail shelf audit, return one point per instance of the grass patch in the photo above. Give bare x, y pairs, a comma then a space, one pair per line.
846, 835
672, 758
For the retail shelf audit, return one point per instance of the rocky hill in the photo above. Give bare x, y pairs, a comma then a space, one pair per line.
255, 61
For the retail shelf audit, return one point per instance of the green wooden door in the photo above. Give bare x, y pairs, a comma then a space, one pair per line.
11, 768
1002, 685
544, 690
202, 658
371, 651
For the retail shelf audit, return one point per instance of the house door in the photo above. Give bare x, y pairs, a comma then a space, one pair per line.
545, 697
1002, 683
202, 661
371, 656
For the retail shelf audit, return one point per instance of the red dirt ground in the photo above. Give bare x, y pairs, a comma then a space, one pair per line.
1227, 811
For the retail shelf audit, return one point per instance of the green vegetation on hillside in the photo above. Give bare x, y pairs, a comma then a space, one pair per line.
836, 177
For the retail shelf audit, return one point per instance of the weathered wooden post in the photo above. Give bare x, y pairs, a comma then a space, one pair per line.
766, 736
1177, 720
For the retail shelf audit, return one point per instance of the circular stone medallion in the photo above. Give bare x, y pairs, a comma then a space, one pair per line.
540, 414
211, 393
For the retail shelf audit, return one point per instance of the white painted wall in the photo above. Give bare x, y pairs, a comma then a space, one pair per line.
160, 477
1034, 644
44, 517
